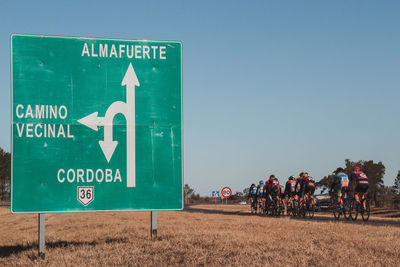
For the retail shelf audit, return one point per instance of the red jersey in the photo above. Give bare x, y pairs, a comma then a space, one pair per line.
358, 176
291, 185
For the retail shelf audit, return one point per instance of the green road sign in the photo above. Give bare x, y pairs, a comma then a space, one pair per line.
96, 125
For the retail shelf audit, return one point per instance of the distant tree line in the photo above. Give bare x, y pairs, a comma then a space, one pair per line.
191, 197
5, 175
380, 194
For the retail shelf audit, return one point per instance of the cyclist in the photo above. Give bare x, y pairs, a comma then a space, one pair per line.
282, 197
268, 183
253, 192
361, 184
260, 193
260, 189
300, 175
282, 194
340, 185
297, 179
272, 188
310, 188
301, 186
290, 189
253, 196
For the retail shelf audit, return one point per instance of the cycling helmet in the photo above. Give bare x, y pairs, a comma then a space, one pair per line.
356, 169
340, 169
261, 182
291, 177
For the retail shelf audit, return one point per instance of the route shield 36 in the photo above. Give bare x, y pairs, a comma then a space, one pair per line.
96, 124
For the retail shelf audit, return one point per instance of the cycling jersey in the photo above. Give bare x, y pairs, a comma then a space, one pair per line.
301, 185
290, 187
358, 176
310, 187
253, 191
340, 182
260, 190
274, 187
268, 185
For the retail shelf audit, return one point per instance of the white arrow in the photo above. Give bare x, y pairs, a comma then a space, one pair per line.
92, 121
108, 148
130, 80
108, 145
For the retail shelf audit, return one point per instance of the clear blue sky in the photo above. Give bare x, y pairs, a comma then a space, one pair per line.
269, 86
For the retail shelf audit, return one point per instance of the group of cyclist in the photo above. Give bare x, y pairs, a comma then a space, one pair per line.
341, 185
296, 188
300, 190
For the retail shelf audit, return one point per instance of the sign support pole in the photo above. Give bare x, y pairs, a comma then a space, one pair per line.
153, 218
41, 234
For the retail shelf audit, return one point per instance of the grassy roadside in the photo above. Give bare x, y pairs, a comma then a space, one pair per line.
201, 235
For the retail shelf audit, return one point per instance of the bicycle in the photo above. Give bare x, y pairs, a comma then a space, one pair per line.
295, 207
358, 207
310, 206
301, 208
260, 205
340, 205
253, 205
274, 207
282, 205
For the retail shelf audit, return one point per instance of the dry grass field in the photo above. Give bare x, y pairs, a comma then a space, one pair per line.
201, 235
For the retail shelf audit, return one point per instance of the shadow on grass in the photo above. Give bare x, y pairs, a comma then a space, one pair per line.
319, 217
6, 251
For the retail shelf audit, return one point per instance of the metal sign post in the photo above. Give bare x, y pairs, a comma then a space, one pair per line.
153, 219
226, 193
41, 234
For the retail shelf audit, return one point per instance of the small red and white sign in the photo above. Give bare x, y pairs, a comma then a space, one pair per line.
226, 192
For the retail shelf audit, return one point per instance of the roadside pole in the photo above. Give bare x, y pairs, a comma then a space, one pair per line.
41, 234
153, 222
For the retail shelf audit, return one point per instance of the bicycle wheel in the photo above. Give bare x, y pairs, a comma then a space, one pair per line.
311, 209
293, 207
267, 208
275, 208
264, 209
346, 208
353, 209
365, 211
303, 209
283, 208
299, 211
336, 209
278, 210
